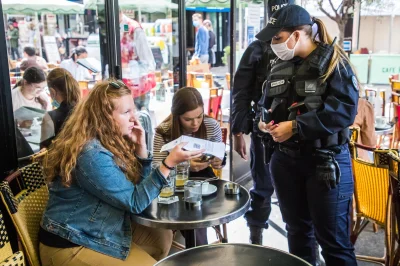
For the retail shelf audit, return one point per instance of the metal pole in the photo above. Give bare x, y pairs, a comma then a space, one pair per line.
8, 147
265, 12
232, 65
182, 43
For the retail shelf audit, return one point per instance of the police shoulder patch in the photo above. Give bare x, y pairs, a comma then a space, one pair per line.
355, 82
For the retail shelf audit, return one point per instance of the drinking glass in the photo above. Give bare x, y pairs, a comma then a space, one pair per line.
182, 174
169, 189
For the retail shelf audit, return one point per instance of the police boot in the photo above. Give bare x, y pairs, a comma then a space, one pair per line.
256, 235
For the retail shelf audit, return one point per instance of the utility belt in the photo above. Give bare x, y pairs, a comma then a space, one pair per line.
327, 168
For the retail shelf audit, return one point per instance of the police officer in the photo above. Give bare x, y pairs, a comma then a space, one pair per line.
311, 100
252, 71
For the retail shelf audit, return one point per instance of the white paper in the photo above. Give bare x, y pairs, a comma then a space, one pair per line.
216, 149
28, 113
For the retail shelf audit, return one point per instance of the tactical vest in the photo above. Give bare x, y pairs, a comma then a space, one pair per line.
293, 90
263, 69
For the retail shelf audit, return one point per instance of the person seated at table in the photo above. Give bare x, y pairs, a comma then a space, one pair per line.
187, 118
79, 72
65, 92
365, 121
29, 92
31, 59
99, 174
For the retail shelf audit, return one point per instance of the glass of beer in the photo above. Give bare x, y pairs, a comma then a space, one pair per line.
169, 189
182, 174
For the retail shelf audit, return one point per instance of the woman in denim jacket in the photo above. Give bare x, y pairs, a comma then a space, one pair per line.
99, 174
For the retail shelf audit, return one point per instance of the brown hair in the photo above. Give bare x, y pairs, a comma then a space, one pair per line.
62, 81
339, 55
186, 99
92, 119
33, 75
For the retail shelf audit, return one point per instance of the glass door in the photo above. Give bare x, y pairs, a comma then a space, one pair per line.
41, 39
149, 43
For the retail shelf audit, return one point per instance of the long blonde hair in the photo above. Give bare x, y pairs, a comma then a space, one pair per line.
64, 83
92, 119
339, 56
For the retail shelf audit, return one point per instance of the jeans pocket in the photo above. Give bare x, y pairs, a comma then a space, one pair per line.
343, 221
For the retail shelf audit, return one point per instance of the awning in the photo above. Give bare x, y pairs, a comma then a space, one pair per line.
217, 3
41, 6
149, 6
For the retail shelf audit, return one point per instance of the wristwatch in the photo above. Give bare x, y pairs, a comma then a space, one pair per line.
295, 130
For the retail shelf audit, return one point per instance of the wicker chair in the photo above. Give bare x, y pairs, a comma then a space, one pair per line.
27, 207
394, 215
371, 186
7, 258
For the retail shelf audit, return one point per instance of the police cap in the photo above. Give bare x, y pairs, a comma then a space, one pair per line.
275, 5
286, 17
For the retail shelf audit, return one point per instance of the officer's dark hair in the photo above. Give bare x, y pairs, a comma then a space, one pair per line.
30, 50
185, 99
77, 51
339, 55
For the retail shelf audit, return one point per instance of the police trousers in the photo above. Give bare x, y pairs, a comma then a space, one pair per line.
260, 206
311, 210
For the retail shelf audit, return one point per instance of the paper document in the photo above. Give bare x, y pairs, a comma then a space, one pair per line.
216, 149
90, 63
28, 113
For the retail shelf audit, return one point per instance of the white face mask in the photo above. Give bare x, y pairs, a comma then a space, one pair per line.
282, 50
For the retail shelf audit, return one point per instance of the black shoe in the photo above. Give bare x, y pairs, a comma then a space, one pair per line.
256, 235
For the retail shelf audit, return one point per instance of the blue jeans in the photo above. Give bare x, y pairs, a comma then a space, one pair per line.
260, 206
309, 209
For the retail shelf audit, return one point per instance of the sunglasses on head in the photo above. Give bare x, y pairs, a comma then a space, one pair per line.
117, 84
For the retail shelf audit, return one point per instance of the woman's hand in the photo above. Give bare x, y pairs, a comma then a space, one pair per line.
25, 123
196, 165
178, 155
266, 128
282, 131
216, 163
138, 138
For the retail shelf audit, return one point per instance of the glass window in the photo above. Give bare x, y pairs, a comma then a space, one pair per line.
39, 40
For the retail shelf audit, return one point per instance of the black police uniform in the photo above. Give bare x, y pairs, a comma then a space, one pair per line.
312, 171
252, 71
247, 87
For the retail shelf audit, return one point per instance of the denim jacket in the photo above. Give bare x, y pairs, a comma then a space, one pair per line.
95, 210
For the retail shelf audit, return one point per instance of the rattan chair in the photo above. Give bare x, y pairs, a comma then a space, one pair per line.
394, 215
354, 133
371, 186
26, 208
7, 257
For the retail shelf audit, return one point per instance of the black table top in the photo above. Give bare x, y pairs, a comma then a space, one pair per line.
217, 208
232, 254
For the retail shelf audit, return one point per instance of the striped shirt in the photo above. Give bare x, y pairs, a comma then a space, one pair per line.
213, 130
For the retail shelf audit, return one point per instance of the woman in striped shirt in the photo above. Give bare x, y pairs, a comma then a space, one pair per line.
187, 118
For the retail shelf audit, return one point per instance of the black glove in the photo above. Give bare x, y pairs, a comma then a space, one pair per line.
327, 169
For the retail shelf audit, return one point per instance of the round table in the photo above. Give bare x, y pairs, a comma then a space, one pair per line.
217, 208
385, 131
232, 254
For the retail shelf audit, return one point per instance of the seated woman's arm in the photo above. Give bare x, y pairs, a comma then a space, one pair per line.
367, 130
216, 136
97, 173
158, 143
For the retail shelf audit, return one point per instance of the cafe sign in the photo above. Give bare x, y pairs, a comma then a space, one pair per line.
382, 66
